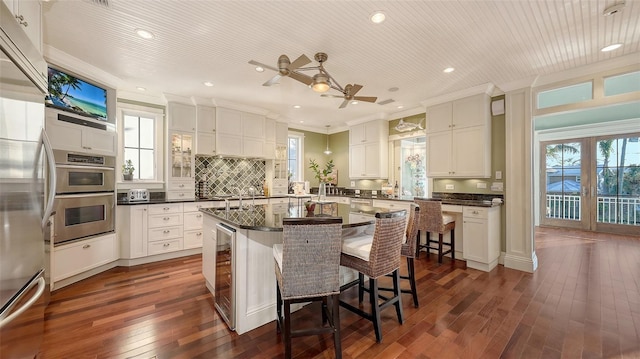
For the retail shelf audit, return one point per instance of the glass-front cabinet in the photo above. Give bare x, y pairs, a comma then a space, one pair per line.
182, 156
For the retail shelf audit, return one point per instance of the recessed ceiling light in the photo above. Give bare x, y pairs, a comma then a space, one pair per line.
296, 106
448, 70
141, 88
208, 83
354, 102
259, 69
301, 121
610, 47
393, 89
377, 17
400, 106
145, 34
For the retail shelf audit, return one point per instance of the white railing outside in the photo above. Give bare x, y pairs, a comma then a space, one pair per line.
610, 209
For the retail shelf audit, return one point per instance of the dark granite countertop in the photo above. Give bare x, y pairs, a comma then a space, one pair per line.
124, 202
269, 217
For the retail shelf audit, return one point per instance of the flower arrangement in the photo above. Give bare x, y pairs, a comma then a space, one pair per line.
414, 161
326, 175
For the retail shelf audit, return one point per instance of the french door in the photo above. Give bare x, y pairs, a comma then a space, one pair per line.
591, 183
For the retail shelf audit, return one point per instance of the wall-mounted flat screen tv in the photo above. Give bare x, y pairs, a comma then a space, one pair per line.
69, 93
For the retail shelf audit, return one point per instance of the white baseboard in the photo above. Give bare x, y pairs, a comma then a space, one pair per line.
521, 263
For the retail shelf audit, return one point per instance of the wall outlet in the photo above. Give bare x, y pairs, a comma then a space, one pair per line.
481, 185
353, 183
357, 191
497, 186
373, 193
498, 174
449, 186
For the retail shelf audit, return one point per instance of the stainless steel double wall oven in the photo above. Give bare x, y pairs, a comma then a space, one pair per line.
85, 195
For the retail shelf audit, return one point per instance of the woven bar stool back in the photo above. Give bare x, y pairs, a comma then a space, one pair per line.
375, 257
432, 220
307, 267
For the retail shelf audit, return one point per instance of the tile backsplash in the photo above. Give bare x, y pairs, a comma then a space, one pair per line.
223, 175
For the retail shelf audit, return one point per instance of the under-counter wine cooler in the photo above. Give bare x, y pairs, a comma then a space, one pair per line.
225, 281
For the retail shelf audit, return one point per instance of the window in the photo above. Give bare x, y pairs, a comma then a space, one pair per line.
142, 142
295, 157
139, 146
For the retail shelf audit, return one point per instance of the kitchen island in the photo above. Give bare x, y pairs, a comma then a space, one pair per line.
237, 255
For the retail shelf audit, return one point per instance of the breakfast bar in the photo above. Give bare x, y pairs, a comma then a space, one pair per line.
237, 255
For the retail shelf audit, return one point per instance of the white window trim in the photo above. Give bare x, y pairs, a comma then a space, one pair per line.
300, 168
142, 111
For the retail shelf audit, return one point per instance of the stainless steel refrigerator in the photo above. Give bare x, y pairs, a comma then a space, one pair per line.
24, 210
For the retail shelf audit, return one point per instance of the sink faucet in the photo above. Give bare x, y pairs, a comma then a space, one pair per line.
239, 197
226, 204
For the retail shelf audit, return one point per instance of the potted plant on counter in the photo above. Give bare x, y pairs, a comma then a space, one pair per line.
127, 170
323, 176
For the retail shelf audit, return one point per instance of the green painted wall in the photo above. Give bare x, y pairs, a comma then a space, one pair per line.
314, 146
419, 119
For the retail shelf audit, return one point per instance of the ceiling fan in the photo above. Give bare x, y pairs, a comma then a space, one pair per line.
349, 94
320, 82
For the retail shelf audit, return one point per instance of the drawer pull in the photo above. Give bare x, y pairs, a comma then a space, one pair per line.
166, 208
199, 216
166, 245
166, 231
475, 212
86, 246
181, 186
181, 195
199, 234
166, 218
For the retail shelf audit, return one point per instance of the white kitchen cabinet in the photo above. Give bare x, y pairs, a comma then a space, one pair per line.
165, 230
78, 138
81, 256
28, 13
369, 150
459, 138
193, 234
206, 130
481, 226
132, 229
282, 133
182, 117
209, 259
269, 151
239, 133
180, 179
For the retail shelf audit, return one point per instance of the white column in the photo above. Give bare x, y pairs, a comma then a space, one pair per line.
519, 182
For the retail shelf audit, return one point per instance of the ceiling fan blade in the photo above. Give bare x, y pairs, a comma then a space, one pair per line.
365, 98
344, 104
307, 80
256, 63
273, 80
353, 89
299, 62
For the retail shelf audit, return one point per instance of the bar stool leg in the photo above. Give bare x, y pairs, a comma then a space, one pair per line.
323, 309
375, 308
440, 248
360, 287
335, 314
398, 294
453, 245
418, 245
278, 308
287, 329
412, 281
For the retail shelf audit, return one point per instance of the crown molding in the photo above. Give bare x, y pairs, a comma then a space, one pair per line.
219, 102
72, 64
372, 117
484, 88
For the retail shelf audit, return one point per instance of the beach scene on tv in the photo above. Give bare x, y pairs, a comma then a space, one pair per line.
72, 94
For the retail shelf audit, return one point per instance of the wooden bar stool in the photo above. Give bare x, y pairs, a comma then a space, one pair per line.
376, 256
408, 251
307, 266
432, 220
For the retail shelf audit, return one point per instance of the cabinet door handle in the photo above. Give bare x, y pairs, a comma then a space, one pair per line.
166, 218
199, 216
86, 246
166, 245
181, 186
166, 208
166, 231
181, 195
20, 17
87, 147
199, 234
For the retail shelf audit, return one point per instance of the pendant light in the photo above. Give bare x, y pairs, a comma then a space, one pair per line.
327, 151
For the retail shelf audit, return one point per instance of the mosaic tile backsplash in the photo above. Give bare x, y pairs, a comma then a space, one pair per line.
222, 176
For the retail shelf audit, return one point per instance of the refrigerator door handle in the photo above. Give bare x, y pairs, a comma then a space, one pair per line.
41, 287
51, 162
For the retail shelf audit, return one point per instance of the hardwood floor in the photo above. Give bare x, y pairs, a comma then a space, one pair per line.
582, 302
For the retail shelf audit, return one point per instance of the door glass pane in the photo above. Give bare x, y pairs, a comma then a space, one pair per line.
413, 175
618, 189
563, 177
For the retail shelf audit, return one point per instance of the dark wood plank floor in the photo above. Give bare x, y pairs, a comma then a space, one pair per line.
583, 302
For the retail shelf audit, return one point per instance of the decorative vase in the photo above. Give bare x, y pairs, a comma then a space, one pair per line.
127, 177
322, 191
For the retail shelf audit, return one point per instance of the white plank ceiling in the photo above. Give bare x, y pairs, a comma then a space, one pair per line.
496, 42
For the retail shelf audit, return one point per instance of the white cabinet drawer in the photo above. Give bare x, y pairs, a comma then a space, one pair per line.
192, 220
195, 206
181, 185
158, 234
78, 257
475, 212
193, 239
164, 220
165, 208
165, 246
178, 195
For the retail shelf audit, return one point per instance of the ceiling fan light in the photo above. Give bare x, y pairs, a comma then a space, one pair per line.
320, 83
